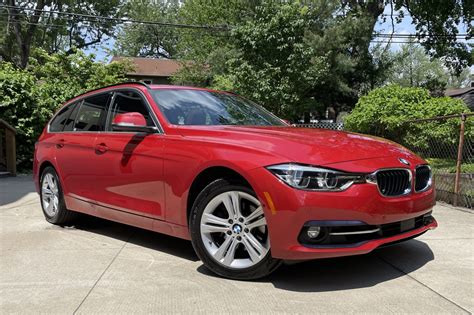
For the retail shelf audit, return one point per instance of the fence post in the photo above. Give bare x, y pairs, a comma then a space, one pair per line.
459, 161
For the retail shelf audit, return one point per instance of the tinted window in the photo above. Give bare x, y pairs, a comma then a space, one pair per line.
196, 107
92, 113
61, 119
127, 102
69, 126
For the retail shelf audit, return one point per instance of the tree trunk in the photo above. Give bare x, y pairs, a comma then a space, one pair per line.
24, 39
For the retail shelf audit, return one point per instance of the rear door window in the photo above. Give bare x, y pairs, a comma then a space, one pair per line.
92, 113
58, 123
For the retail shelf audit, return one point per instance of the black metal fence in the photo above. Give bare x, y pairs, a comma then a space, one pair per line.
323, 125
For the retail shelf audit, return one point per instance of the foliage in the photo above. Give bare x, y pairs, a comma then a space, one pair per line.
449, 165
192, 73
355, 67
266, 58
149, 40
336, 36
437, 23
385, 111
199, 45
24, 28
275, 66
412, 67
29, 97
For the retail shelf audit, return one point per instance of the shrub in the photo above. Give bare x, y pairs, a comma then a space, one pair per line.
28, 98
385, 111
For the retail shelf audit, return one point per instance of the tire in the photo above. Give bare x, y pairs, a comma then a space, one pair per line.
52, 199
238, 247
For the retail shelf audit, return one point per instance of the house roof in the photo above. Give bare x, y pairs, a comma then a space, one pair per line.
152, 67
458, 92
465, 94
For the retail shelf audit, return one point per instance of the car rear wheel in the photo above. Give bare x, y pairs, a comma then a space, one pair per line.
229, 231
52, 199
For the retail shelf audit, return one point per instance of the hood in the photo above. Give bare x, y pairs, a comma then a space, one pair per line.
302, 145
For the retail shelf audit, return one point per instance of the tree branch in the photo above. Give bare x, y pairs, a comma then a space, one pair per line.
393, 30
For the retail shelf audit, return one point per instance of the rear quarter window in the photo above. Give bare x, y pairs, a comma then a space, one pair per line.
61, 118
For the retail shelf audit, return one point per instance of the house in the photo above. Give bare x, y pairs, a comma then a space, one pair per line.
151, 70
466, 94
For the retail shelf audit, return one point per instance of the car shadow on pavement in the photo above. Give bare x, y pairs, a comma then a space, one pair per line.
323, 275
140, 237
352, 272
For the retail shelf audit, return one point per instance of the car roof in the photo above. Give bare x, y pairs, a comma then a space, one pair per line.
183, 87
148, 86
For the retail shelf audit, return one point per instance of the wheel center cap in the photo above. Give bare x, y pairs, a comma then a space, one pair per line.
237, 229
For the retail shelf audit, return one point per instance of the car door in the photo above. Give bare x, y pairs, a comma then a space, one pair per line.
75, 151
129, 164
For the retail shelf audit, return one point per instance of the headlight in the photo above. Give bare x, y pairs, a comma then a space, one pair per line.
315, 178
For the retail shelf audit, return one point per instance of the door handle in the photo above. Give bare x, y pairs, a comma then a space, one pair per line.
60, 143
101, 148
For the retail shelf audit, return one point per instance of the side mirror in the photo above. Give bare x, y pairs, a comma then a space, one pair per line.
131, 122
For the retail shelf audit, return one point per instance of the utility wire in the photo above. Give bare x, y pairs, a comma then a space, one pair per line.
87, 18
122, 20
97, 18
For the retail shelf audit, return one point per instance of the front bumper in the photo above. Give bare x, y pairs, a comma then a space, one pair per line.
305, 252
287, 210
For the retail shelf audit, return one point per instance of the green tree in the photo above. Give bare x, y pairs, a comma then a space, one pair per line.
436, 24
275, 66
29, 97
412, 67
146, 40
30, 24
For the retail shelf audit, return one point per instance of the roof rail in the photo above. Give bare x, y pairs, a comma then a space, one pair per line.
107, 86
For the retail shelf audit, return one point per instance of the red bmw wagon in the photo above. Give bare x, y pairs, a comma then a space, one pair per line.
246, 188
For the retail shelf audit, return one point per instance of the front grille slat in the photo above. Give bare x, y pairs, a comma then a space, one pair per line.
394, 182
422, 178
400, 183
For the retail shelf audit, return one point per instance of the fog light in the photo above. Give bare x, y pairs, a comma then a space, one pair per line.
313, 231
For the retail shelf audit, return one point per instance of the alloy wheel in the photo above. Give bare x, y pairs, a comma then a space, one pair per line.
50, 194
234, 230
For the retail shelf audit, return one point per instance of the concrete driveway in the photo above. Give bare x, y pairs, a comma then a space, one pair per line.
104, 267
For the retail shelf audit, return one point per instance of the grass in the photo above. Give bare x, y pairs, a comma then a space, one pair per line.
449, 165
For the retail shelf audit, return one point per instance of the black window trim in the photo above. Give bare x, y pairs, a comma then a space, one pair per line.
147, 105
80, 101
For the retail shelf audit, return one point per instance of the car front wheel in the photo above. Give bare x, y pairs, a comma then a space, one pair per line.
229, 231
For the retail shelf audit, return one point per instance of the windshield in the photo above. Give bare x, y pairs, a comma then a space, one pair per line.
198, 107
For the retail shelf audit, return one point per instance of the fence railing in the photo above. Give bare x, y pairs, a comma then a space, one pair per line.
323, 125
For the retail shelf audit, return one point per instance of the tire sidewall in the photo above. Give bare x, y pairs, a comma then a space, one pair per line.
261, 269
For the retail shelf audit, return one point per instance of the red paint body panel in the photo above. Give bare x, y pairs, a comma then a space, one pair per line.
144, 180
135, 119
129, 174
